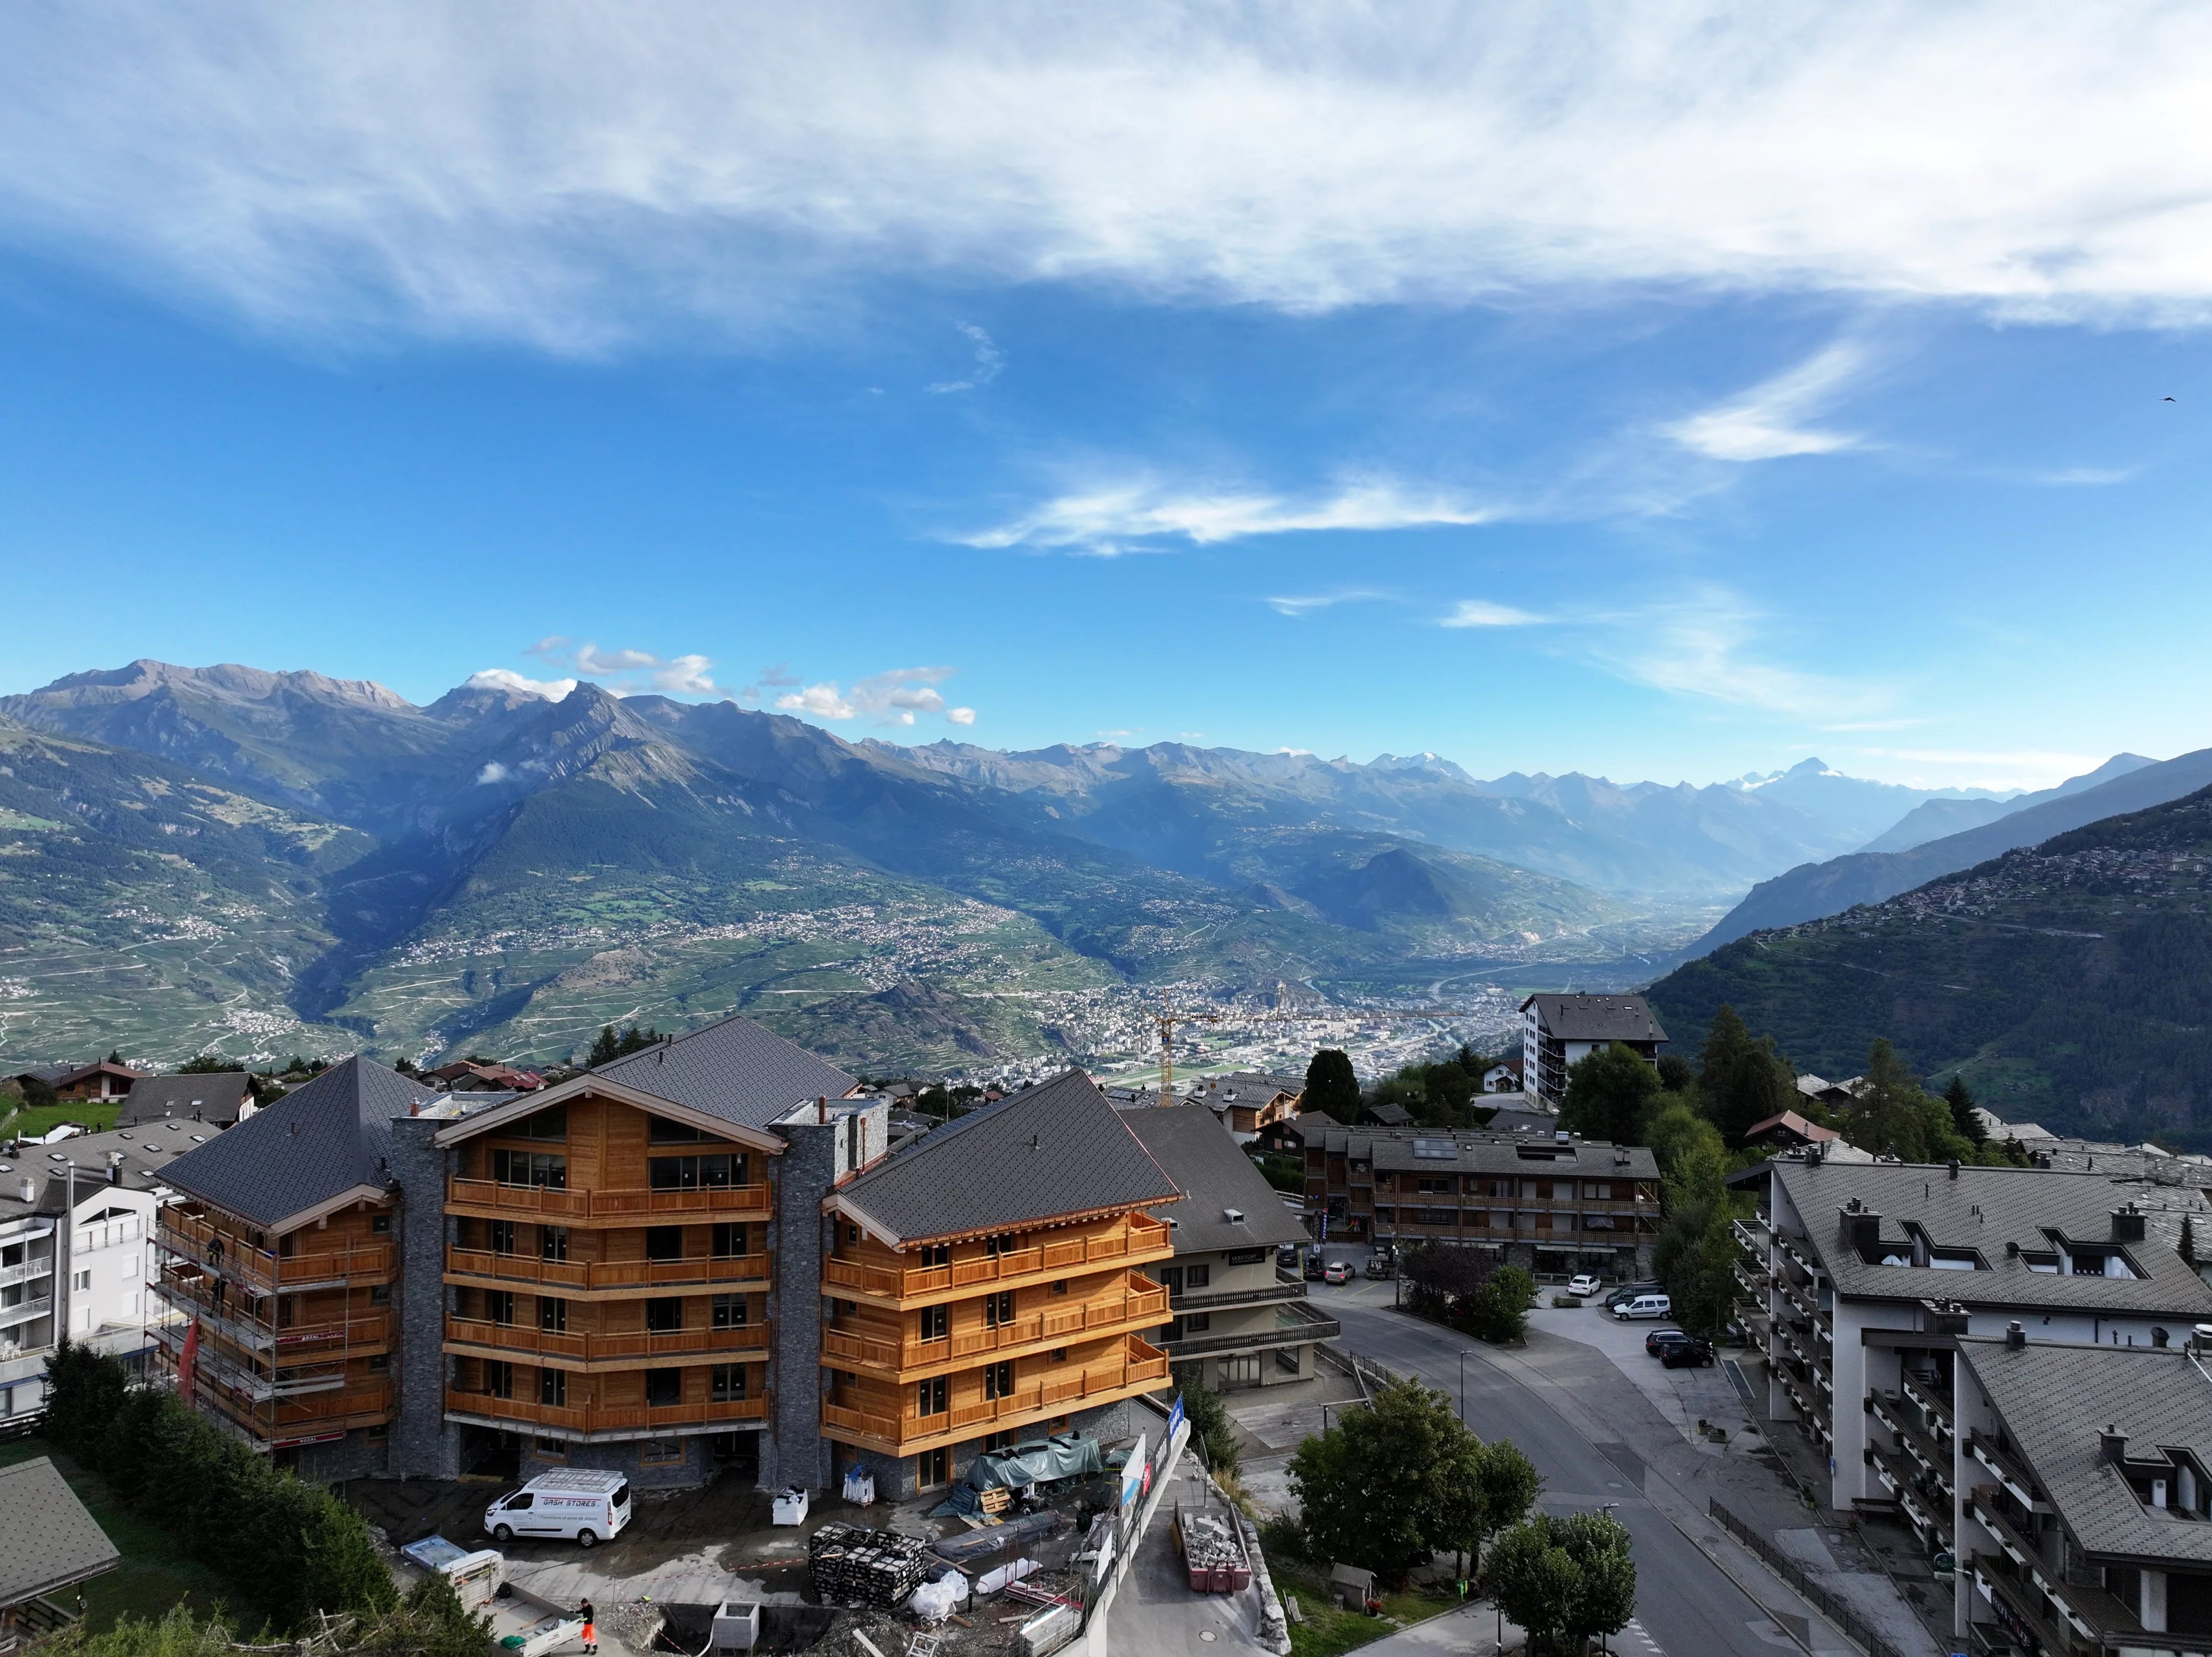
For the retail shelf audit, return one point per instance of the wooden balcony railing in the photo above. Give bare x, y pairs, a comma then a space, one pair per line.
1145, 1238
223, 1253
622, 1346
586, 1419
191, 1293
639, 1207
585, 1276
1140, 1366
1142, 1303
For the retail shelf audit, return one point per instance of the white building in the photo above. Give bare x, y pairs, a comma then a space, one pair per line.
76, 1221
1557, 1031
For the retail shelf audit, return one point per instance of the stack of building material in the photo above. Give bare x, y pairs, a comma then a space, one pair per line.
1213, 1552
876, 1568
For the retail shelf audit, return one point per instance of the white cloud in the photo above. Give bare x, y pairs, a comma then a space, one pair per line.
574, 177
629, 672
893, 697
1707, 644
500, 678
1767, 422
1479, 612
1303, 605
2026, 767
493, 772
989, 360
1120, 518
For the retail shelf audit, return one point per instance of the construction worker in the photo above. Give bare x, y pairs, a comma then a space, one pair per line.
591, 1627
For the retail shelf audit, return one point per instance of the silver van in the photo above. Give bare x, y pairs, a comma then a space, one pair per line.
586, 1505
1644, 1306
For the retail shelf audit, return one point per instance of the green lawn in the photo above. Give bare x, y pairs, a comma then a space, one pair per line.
1327, 1631
156, 1573
31, 1123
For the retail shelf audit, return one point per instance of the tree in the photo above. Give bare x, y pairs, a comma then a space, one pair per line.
1380, 1488
1499, 1309
1740, 1081
1210, 1424
1606, 1094
115, 1055
1676, 1073
1696, 1248
1565, 1579
1446, 1089
204, 1064
1961, 1103
608, 1046
1490, 1491
1443, 1277
1331, 1086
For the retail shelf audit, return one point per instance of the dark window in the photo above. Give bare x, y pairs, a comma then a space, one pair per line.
932, 1398
729, 1311
500, 1235
287, 1246
380, 1225
729, 1240
499, 1377
664, 1313
553, 1241
713, 1172
553, 1387
552, 1314
999, 1308
659, 1130
380, 1361
1004, 1243
933, 1468
661, 1452
1001, 1440
379, 1294
499, 1305
663, 1388
1060, 1354
663, 1242
549, 1449
1197, 1277
2189, 1603
935, 1323
936, 1254
727, 1381
1197, 1323
534, 1167
999, 1378
545, 1125
1060, 1287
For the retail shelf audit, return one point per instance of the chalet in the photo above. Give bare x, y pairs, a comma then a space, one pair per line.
1249, 1101
104, 1082
1504, 1075
1557, 1031
219, 1098
466, 1076
1788, 1130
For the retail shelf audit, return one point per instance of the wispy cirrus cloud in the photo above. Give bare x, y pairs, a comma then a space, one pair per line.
1107, 520
1305, 604
1711, 644
627, 672
1480, 612
989, 360
893, 697
1771, 422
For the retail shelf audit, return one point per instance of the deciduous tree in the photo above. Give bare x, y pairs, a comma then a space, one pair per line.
1607, 1094
1331, 1086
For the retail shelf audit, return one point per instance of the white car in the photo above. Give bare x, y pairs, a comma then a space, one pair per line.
1584, 1286
1644, 1306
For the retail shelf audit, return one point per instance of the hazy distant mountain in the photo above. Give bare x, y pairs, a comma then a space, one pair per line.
1826, 888
1936, 818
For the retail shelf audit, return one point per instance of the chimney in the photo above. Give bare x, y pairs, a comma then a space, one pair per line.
1233, 1216
1955, 1167
2127, 1224
821, 1107
1862, 1228
2201, 1337
2114, 1443
2015, 1334
28, 1191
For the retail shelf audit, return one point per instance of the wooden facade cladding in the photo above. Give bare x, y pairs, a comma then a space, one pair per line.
295, 1328
892, 1343
887, 1416
863, 1267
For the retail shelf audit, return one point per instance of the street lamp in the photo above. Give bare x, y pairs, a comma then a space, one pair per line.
1462, 1385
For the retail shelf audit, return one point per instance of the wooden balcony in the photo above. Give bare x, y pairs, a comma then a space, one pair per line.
195, 1239
615, 1278
370, 1330
622, 1350
1142, 1304
623, 1207
1139, 1367
1146, 1240
273, 1424
590, 1421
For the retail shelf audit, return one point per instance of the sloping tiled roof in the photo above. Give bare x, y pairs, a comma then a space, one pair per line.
1596, 1017
1797, 1125
1984, 1209
732, 1069
2055, 1401
1214, 1176
146, 1152
1415, 1150
47, 1540
317, 1141
216, 1095
1058, 1148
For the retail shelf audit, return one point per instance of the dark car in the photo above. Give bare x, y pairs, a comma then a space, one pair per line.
1313, 1267
1687, 1353
1628, 1292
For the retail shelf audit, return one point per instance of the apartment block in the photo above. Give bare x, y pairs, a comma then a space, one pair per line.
1862, 1280
1559, 1031
1244, 1321
1553, 1203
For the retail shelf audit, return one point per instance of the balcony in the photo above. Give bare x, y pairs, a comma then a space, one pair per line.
602, 1421
25, 1310
1294, 1327
43, 1267
1139, 1368
368, 1331
464, 1265
1287, 1285
622, 1350
1146, 1239
1932, 1460
2023, 1608
194, 1238
1142, 1303
491, 1199
1931, 1402
2010, 1474
1754, 1236
1929, 1511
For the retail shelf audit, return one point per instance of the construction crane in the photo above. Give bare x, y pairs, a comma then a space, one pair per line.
1167, 1018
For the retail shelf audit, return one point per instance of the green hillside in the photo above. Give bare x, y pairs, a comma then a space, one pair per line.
2071, 983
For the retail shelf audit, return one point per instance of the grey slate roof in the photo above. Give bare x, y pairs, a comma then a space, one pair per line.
317, 1141
1984, 1209
47, 1540
215, 1096
1595, 1017
732, 1069
2054, 1400
1485, 1150
1214, 1176
1058, 1148
146, 1152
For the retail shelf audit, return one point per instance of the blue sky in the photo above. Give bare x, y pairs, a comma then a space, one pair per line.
1667, 395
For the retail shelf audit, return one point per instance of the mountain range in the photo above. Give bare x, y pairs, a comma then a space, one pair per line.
248, 861
2069, 981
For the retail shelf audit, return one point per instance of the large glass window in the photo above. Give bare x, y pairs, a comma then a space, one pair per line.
664, 1314
727, 1381
717, 1171
729, 1311
553, 1240
538, 1167
729, 1240
545, 1125
663, 1388
553, 1387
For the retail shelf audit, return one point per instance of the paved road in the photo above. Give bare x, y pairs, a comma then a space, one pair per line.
1689, 1604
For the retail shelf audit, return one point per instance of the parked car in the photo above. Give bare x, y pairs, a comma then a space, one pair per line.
1286, 1258
584, 1504
1382, 1264
1687, 1353
1645, 1306
1630, 1291
1311, 1272
1584, 1287
1659, 1339
1337, 1271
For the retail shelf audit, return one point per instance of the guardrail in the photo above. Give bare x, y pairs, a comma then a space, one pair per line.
1855, 1628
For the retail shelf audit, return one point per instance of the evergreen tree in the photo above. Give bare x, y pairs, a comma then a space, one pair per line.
1963, 1120
1331, 1086
1608, 1093
115, 1055
1740, 1081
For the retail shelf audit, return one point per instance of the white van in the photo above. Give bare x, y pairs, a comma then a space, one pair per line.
587, 1504
1645, 1306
